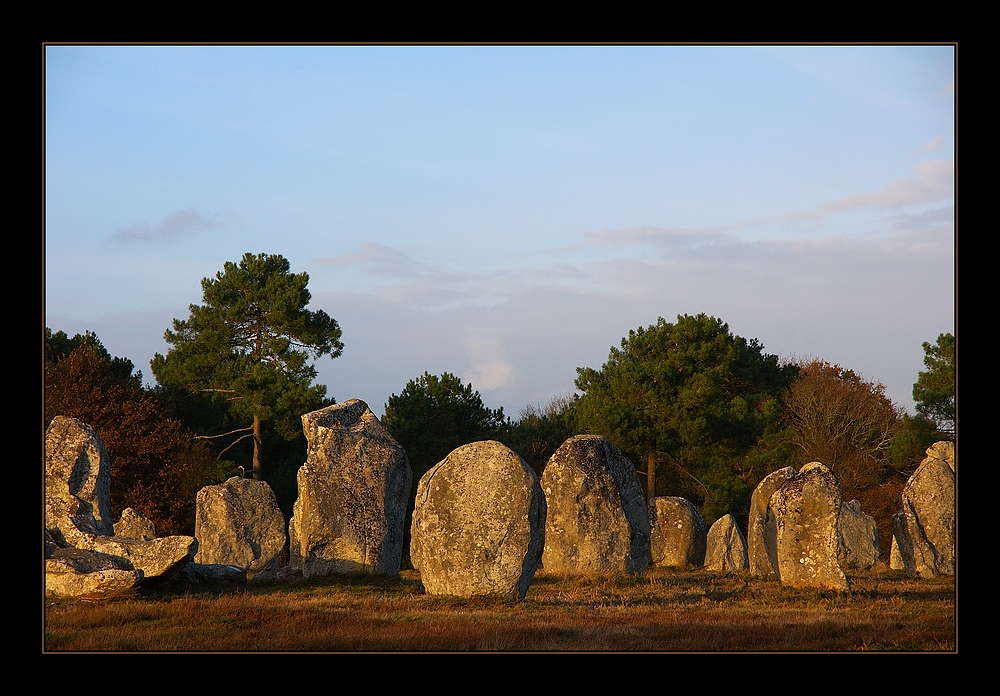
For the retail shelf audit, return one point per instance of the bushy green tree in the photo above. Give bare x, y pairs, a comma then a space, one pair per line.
691, 400
433, 415
934, 390
248, 344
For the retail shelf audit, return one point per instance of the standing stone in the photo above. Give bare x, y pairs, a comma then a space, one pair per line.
926, 528
859, 547
596, 520
239, 523
479, 523
353, 491
757, 551
678, 534
726, 549
802, 521
77, 482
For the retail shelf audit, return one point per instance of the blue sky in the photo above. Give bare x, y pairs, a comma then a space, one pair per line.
509, 213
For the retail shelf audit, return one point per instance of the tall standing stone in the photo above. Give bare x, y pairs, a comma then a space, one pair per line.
802, 521
757, 551
239, 523
678, 534
596, 519
925, 531
77, 481
726, 548
353, 491
479, 523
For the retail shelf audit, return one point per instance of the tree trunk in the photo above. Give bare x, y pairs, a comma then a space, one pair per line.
257, 444
651, 475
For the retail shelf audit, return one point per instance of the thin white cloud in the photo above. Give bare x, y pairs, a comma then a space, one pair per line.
930, 181
174, 226
932, 145
376, 259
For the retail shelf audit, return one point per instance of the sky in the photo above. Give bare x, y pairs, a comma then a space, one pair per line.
509, 213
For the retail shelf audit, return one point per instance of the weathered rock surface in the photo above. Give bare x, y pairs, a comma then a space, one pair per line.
156, 558
596, 519
925, 531
678, 534
88, 575
350, 513
82, 554
239, 523
757, 551
77, 481
859, 546
133, 524
726, 548
479, 523
802, 528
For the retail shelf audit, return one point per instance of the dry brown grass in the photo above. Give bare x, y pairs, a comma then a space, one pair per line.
658, 610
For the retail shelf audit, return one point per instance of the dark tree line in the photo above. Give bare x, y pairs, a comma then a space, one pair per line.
702, 413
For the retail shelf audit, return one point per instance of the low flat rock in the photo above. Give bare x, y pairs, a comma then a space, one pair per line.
726, 548
678, 534
88, 575
239, 523
479, 523
596, 520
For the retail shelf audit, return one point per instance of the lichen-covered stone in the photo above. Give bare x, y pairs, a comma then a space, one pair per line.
135, 525
596, 519
726, 548
82, 554
77, 481
802, 526
678, 534
926, 529
479, 523
757, 551
69, 575
239, 523
351, 509
859, 547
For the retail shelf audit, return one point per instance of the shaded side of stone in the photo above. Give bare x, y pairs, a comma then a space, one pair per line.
726, 547
859, 547
760, 558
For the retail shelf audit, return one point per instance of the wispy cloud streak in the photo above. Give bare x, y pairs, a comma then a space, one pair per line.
183, 223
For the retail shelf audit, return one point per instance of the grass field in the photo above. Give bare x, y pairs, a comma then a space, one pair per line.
658, 610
